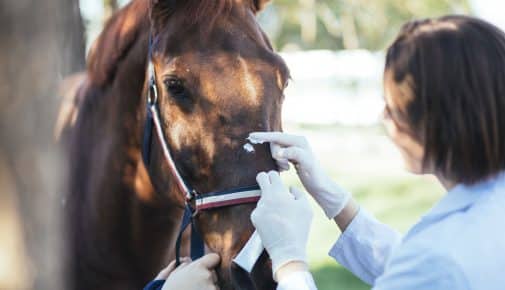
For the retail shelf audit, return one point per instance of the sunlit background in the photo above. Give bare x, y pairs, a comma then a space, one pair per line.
335, 51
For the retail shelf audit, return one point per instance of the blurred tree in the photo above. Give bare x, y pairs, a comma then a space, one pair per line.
40, 43
347, 24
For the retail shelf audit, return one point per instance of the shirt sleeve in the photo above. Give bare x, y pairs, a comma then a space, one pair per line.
421, 269
365, 246
155, 285
299, 280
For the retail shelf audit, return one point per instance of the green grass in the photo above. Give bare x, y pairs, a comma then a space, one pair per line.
335, 277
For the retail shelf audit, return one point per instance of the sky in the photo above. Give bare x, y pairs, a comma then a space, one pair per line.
490, 10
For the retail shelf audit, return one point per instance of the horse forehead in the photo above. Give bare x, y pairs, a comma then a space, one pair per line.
239, 82
228, 77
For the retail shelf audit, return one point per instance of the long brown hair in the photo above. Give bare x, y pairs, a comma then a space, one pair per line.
454, 69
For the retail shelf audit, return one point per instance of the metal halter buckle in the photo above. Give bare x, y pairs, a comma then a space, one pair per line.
190, 197
152, 94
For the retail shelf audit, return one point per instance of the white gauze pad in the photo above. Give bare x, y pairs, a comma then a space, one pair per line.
248, 148
250, 253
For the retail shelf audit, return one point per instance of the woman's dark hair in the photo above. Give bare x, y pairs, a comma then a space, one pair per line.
454, 68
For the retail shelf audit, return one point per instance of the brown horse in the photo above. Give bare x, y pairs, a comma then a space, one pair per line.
218, 80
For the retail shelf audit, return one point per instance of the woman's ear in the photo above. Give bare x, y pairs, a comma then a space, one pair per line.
260, 4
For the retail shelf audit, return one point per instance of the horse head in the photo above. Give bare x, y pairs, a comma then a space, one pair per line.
218, 79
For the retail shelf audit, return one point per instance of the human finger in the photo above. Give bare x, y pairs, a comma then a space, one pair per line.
302, 200
294, 154
275, 149
263, 181
184, 263
209, 261
254, 216
163, 275
297, 193
276, 181
283, 165
279, 138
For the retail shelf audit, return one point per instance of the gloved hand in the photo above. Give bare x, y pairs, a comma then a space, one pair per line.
282, 219
197, 275
296, 149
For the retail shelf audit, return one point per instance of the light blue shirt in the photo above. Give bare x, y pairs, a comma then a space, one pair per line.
458, 245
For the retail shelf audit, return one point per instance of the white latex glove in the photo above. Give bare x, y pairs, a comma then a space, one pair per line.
282, 219
296, 149
197, 275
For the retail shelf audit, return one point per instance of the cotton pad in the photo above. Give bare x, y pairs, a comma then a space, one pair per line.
250, 253
249, 148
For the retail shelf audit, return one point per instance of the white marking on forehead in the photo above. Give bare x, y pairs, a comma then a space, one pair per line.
248, 81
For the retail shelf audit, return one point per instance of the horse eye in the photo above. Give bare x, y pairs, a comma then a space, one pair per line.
175, 87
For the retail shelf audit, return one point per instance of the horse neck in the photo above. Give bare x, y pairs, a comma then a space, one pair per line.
110, 188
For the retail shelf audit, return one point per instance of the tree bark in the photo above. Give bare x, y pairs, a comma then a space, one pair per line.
40, 43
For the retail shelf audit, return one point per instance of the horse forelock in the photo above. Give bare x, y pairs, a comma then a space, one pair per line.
202, 14
126, 26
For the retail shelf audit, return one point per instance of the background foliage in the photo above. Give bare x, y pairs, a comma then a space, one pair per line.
346, 24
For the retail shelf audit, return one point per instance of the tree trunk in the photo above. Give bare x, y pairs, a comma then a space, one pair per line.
40, 43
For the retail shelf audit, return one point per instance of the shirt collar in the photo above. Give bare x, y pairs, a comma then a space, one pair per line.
464, 196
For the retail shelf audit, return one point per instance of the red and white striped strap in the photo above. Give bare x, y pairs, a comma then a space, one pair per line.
228, 198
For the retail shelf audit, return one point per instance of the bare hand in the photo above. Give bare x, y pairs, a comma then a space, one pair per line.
197, 275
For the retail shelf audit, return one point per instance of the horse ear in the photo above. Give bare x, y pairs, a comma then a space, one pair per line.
260, 4
159, 10
162, 4
121, 31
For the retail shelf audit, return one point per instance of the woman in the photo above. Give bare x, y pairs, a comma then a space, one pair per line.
445, 111
444, 86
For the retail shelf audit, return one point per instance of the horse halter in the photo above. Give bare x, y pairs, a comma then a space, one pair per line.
194, 201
